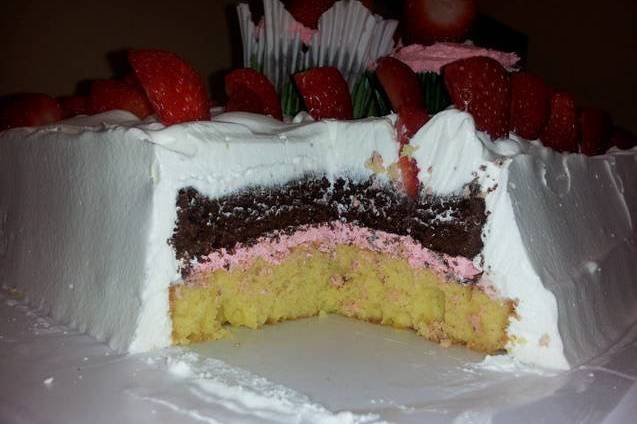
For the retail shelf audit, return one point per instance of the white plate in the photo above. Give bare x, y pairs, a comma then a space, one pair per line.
316, 370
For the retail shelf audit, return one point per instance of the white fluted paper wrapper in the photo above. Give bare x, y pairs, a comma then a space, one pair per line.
349, 37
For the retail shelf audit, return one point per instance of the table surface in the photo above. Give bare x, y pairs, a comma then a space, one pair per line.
328, 369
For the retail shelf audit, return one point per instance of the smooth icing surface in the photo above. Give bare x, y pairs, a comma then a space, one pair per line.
89, 207
432, 58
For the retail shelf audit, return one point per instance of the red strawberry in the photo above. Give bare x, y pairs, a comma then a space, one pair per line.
325, 93
400, 83
410, 120
241, 80
560, 132
74, 105
481, 86
622, 139
117, 95
530, 99
428, 21
175, 90
409, 170
308, 12
29, 110
245, 100
595, 127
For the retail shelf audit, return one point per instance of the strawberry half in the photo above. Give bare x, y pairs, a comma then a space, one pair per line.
400, 83
428, 21
29, 110
560, 132
530, 99
481, 86
410, 120
263, 98
325, 93
409, 170
74, 105
117, 95
175, 90
595, 128
308, 12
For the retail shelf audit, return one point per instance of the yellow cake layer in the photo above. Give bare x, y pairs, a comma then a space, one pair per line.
349, 281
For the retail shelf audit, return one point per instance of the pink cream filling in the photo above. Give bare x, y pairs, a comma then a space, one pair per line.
326, 237
432, 58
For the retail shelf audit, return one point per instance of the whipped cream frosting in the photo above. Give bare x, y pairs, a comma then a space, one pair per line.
89, 204
432, 58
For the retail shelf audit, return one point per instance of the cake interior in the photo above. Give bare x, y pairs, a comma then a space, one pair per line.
371, 258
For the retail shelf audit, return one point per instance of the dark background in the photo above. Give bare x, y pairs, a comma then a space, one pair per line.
586, 47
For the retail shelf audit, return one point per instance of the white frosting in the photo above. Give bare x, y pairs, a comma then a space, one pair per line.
87, 209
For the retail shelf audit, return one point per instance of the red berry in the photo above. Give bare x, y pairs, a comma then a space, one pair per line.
410, 120
409, 170
428, 21
560, 132
400, 83
530, 99
74, 105
29, 110
175, 90
264, 95
308, 12
117, 95
325, 93
595, 128
481, 86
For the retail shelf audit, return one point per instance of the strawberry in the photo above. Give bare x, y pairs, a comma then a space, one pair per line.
175, 90
622, 139
241, 80
74, 105
29, 110
245, 100
400, 83
595, 127
428, 21
325, 93
560, 132
529, 105
117, 95
410, 120
481, 86
409, 170
308, 12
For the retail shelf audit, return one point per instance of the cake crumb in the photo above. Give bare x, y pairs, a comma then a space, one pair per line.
375, 163
445, 343
545, 340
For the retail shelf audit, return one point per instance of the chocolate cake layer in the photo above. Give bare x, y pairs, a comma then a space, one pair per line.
450, 225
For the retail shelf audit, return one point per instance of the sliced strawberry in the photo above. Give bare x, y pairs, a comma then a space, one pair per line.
74, 105
560, 132
409, 170
530, 99
428, 21
622, 139
325, 93
175, 90
400, 83
595, 127
308, 12
117, 95
410, 120
245, 100
240, 80
29, 110
481, 86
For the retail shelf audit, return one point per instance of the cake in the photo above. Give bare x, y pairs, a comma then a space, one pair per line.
147, 231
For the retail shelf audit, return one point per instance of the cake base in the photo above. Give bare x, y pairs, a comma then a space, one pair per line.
347, 280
